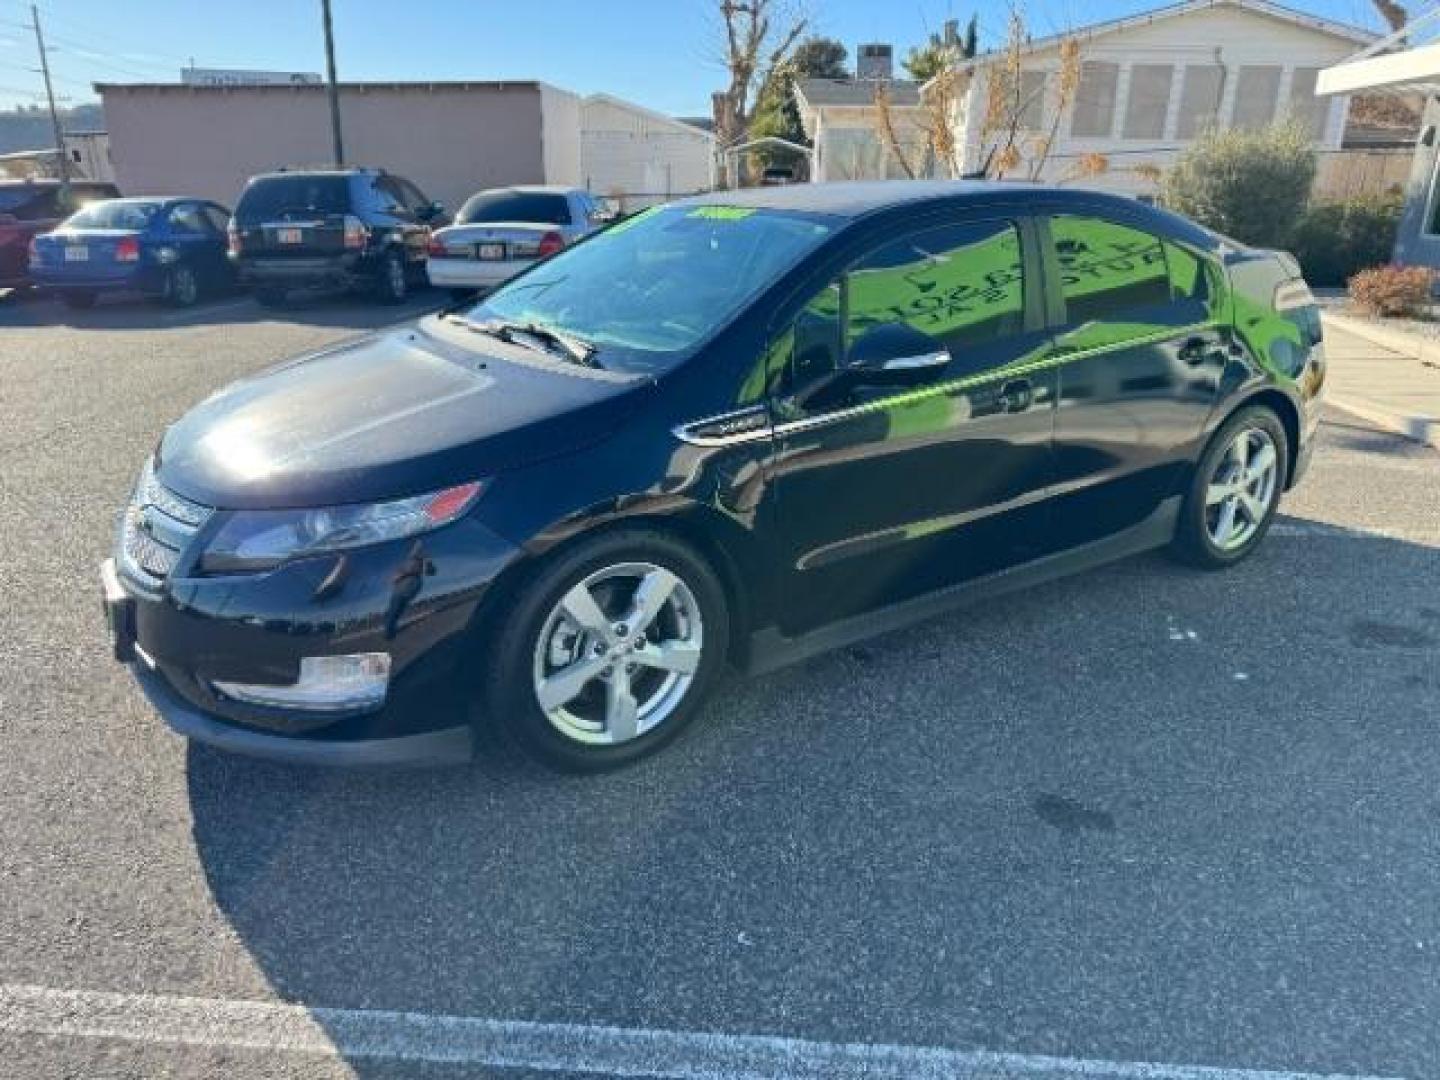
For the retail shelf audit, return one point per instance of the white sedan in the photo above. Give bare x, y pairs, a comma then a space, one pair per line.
500, 232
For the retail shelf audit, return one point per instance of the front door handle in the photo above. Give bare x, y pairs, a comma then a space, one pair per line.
1016, 395
1196, 349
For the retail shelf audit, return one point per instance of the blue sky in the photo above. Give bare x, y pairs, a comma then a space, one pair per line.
660, 53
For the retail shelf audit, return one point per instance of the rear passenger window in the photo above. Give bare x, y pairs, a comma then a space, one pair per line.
1107, 270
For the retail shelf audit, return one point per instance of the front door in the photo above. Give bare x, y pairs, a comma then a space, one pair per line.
887, 491
1140, 349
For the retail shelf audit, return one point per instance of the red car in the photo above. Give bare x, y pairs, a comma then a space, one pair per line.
31, 207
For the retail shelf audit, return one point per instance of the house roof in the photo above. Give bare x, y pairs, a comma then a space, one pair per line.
672, 122
1267, 8
819, 93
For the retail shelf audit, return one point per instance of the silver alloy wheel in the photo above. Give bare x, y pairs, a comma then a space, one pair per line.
395, 276
618, 653
184, 289
1241, 488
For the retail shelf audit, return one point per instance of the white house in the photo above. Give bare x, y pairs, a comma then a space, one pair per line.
641, 157
842, 122
1150, 83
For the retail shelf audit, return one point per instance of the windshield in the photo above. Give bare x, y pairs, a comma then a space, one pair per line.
534, 206
114, 215
277, 196
649, 289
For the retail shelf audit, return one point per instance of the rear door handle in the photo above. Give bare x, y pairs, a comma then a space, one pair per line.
1016, 395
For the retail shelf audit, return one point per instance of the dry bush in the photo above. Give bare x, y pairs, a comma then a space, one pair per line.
1392, 291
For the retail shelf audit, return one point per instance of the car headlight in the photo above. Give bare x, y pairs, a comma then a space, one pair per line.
260, 539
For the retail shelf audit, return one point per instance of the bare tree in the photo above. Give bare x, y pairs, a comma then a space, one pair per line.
1395, 15
754, 51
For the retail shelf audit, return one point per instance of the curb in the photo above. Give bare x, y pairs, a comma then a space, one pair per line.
1422, 429
1399, 341
1415, 428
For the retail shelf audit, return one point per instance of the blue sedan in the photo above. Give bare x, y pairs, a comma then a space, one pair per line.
171, 248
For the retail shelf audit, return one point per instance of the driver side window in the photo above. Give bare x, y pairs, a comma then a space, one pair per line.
960, 287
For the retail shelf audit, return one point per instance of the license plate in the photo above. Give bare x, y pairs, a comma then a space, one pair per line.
288, 236
119, 613
490, 251
77, 254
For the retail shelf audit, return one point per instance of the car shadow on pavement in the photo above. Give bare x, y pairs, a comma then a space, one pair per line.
1145, 814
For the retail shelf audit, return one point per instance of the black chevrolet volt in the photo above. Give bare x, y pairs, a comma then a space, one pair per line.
734, 430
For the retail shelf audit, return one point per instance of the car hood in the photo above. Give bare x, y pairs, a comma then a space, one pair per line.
397, 413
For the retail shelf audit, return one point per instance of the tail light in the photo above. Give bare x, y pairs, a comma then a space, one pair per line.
436, 247
236, 243
127, 250
356, 234
550, 243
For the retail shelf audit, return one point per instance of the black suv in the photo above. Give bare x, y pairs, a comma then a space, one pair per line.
337, 227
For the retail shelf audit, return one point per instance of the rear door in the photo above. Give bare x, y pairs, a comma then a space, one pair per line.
200, 244
1140, 344
885, 494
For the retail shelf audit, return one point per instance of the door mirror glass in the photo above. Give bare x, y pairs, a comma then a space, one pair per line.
895, 354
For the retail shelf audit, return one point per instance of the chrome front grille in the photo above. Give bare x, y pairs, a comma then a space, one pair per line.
157, 526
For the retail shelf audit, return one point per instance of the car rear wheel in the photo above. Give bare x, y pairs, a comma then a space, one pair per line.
1235, 491
182, 288
392, 284
78, 298
609, 651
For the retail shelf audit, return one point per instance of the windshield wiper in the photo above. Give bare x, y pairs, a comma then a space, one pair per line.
576, 349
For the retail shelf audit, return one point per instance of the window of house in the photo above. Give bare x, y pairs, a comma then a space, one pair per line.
1032, 100
1095, 100
1305, 107
1257, 92
961, 284
1108, 270
1200, 94
1149, 100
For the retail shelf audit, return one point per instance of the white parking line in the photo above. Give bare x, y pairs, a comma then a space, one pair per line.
572, 1048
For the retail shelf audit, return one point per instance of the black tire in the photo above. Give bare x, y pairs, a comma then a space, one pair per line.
271, 296
79, 299
182, 287
508, 693
1193, 543
392, 279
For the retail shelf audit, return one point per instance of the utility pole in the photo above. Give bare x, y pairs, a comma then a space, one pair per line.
50, 96
336, 141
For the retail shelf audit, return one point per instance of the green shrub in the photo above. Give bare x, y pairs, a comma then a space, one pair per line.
1249, 185
1336, 240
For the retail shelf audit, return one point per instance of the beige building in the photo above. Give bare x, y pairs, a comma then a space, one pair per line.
450, 138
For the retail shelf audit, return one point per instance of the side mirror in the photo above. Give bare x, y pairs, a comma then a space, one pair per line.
895, 354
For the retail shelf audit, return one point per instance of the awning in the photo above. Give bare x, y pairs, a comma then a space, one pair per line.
1404, 62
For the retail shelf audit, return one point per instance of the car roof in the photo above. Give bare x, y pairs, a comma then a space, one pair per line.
531, 189
858, 198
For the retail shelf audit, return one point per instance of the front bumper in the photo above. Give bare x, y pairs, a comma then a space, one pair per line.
417, 600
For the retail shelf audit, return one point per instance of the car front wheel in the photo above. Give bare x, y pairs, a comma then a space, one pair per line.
609, 651
1235, 491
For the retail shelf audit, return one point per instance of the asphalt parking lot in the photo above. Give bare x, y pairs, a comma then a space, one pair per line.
1125, 825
